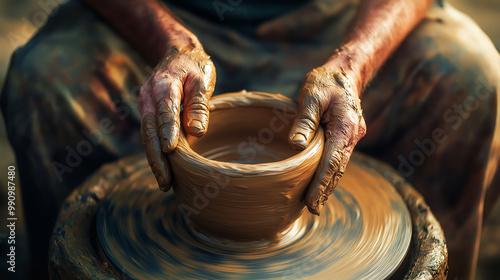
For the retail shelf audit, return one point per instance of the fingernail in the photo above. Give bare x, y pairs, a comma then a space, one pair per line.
314, 210
161, 181
299, 139
166, 145
161, 184
195, 124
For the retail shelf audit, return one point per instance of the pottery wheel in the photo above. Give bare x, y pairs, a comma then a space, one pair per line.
363, 232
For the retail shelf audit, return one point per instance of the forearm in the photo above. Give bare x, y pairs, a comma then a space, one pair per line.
378, 29
147, 24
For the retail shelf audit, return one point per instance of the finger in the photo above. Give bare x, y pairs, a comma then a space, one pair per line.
196, 109
325, 179
167, 93
342, 135
155, 156
305, 124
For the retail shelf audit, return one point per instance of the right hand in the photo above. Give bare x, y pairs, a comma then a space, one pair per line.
186, 76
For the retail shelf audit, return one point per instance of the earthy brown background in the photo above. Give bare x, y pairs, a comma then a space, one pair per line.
20, 18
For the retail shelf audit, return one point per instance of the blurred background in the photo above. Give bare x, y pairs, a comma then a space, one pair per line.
19, 19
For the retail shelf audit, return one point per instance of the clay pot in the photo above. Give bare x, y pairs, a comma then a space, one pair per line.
242, 181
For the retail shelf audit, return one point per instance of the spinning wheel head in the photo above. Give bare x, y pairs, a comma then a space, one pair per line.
76, 252
363, 232
234, 216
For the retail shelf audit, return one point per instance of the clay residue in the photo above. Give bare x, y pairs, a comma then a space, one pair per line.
73, 252
246, 135
363, 233
151, 228
429, 253
242, 181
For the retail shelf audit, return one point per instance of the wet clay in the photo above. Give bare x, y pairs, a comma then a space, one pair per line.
364, 232
241, 180
126, 197
243, 135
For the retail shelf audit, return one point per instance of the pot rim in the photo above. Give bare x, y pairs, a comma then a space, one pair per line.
257, 100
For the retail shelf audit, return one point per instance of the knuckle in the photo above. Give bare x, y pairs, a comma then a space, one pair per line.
168, 107
167, 119
350, 120
200, 84
346, 127
209, 66
362, 128
337, 129
311, 75
148, 121
307, 122
331, 186
199, 115
340, 172
199, 99
197, 109
148, 128
167, 126
334, 162
310, 106
161, 82
148, 133
161, 106
161, 76
317, 76
312, 100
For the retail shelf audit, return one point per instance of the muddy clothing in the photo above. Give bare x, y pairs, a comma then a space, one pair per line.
240, 12
69, 103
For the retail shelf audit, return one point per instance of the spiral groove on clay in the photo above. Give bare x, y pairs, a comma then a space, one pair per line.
364, 232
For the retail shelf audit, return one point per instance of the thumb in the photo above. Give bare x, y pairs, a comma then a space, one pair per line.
196, 107
305, 125
196, 115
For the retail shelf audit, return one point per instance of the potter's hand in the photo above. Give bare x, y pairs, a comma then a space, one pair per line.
327, 96
187, 76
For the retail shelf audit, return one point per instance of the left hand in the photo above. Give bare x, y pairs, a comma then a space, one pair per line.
328, 96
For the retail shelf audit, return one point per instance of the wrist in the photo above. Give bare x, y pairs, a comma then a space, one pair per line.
174, 35
351, 63
181, 37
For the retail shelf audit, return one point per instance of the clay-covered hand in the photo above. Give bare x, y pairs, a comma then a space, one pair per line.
186, 76
328, 97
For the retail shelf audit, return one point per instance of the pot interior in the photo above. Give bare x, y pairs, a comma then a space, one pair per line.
247, 135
